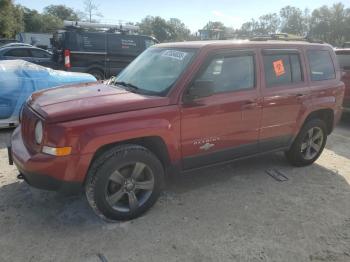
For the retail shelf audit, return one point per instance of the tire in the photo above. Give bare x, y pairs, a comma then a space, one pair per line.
97, 73
124, 182
303, 152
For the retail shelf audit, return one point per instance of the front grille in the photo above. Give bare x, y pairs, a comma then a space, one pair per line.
28, 122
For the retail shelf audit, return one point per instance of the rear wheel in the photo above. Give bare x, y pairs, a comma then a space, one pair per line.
309, 143
97, 73
124, 182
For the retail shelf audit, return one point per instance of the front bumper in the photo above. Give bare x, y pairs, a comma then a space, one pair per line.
43, 171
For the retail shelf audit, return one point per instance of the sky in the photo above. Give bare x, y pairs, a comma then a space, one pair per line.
194, 13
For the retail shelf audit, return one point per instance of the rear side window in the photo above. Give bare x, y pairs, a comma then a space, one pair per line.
230, 73
20, 52
344, 61
40, 54
282, 69
321, 65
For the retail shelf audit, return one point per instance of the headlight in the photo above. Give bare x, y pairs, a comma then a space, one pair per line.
38, 132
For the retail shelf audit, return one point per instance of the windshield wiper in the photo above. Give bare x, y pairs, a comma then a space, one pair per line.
129, 86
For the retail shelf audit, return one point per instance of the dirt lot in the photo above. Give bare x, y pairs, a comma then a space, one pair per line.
228, 213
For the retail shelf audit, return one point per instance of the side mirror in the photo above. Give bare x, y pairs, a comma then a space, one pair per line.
200, 88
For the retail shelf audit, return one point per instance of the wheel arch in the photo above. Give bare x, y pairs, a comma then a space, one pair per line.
325, 114
155, 144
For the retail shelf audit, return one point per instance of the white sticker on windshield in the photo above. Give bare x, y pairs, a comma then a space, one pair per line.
175, 54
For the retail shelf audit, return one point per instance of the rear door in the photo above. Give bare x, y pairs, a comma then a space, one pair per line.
41, 57
224, 125
285, 93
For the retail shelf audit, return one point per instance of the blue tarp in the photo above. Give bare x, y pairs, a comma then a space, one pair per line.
19, 79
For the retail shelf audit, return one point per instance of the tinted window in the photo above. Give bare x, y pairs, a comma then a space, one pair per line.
40, 54
20, 52
282, 69
230, 73
149, 42
297, 75
344, 60
321, 65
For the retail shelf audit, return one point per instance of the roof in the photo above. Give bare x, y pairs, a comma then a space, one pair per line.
232, 43
6, 48
342, 50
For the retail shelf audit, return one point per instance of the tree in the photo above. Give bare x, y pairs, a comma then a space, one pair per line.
91, 10
11, 21
36, 22
331, 24
269, 24
179, 30
157, 27
293, 21
62, 12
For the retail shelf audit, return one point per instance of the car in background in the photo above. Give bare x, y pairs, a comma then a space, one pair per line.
19, 79
41, 40
101, 54
343, 56
28, 53
15, 44
4, 41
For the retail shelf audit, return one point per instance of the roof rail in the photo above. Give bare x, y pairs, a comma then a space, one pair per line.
284, 37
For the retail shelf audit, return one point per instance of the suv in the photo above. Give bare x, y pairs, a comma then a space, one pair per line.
178, 106
344, 62
98, 53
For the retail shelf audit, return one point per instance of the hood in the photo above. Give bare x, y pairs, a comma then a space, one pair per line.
74, 102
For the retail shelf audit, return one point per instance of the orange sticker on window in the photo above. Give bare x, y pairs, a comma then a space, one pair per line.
279, 68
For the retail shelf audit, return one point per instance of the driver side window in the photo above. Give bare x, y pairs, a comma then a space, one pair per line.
230, 73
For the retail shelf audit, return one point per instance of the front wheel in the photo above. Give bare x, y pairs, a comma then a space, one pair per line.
309, 144
124, 182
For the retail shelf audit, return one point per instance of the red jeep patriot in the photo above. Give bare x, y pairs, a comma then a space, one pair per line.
184, 105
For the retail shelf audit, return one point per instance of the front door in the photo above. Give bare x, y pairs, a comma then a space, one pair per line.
225, 124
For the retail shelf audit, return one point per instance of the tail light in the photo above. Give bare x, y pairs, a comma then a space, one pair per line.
67, 58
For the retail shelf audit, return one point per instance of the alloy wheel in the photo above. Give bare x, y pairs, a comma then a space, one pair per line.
129, 187
312, 143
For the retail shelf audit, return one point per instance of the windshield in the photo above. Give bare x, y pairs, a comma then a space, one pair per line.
156, 69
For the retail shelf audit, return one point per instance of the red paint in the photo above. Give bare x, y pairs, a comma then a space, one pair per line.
346, 77
89, 116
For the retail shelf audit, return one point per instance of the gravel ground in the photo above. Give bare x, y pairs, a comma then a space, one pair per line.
234, 212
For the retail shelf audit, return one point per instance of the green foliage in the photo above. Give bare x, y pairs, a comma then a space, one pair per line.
164, 31
10, 19
62, 12
330, 24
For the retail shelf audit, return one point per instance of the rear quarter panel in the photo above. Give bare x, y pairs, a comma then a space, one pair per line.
327, 94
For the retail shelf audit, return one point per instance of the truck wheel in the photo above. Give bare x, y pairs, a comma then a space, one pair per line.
309, 144
98, 74
124, 182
